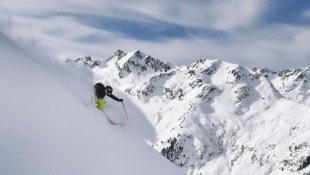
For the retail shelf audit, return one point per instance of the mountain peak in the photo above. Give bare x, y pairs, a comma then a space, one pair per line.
118, 53
87, 61
138, 63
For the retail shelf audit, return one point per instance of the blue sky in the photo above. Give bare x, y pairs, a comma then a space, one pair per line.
261, 33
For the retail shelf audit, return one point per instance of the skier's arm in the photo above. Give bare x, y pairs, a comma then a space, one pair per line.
115, 98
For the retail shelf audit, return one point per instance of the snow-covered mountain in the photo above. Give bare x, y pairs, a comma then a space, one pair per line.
214, 117
49, 126
291, 83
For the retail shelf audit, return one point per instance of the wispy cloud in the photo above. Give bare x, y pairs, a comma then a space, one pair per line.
262, 33
306, 14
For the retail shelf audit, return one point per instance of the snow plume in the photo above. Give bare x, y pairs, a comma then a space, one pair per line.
48, 124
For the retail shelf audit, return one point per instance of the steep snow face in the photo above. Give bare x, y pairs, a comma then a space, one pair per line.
214, 117
48, 124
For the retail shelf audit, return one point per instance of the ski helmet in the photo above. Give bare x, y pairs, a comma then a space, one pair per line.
99, 86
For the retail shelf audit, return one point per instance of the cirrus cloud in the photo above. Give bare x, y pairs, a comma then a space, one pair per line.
249, 32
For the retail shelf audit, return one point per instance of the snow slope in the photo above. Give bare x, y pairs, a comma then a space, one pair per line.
214, 117
48, 124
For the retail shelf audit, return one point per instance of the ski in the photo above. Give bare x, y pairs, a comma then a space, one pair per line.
112, 122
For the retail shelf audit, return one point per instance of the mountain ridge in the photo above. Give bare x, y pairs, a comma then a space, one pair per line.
208, 115
283, 80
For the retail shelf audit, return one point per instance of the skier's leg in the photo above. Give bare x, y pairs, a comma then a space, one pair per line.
100, 103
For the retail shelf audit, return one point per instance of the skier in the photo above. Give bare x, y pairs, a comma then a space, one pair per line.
101, 91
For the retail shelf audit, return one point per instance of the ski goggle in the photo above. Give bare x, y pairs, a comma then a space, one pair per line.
109, 89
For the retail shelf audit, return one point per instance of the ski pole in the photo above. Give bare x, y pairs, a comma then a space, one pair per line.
125, 110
